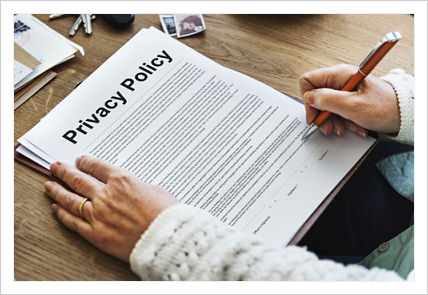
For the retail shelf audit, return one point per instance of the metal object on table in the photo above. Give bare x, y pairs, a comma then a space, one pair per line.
75, 26
52, 16
86, 19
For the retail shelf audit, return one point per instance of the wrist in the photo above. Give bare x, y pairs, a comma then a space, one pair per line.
394, 122
403, 85
161, 246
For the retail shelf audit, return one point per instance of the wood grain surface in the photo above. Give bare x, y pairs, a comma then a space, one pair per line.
274, 49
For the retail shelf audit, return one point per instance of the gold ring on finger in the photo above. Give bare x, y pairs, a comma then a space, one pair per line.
81, 207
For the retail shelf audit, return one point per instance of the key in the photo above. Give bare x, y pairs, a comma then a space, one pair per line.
75, 26
88, 28
55, 15
87, 23
83, 17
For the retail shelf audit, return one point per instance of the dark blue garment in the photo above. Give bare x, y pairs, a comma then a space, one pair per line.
367, 212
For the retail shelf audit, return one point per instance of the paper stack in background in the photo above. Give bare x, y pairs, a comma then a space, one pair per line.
37, 49
23, 64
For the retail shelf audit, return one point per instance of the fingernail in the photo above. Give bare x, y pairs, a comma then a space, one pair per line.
54, 166
323, 131
338, 132
54, 207
309, 98
48, 186
78, 161
362, 133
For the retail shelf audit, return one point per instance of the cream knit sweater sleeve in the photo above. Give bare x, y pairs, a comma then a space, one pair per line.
404, 86
185, 243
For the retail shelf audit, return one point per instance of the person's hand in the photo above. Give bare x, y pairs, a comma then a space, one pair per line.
373, 106
119, 209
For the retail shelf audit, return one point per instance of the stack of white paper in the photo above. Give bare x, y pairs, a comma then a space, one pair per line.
45, 44
215, 138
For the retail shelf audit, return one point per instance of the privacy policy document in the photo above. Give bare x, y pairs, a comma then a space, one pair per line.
216, 139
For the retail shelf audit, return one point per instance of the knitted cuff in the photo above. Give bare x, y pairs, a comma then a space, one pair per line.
144, 258
403, 85
183, 243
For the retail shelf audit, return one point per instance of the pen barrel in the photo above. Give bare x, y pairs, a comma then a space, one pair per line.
321, 118
349, 86
359, 76
377, 57
352, 84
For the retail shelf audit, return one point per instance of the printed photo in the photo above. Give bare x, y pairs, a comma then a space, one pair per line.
168, 24
189, 24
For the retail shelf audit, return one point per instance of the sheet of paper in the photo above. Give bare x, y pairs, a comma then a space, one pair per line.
42, 42
24, 57
20, 71
216, 139
30, 89
32, 156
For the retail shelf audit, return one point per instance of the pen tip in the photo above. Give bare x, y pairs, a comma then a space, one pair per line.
308, 131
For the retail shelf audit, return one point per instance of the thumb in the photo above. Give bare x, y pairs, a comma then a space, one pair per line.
335, 101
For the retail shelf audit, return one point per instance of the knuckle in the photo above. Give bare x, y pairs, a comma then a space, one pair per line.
120, 177
91, 167
55, 191
342, 66
319, 96
69, 202
88, 210
95, 215
77, 182
302, 78
304, 82
59, 171
346, 68
60, 214
103, 238
157, 188
76, 226
89, 214
86, 164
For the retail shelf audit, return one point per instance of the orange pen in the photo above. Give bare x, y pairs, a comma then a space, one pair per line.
367, 65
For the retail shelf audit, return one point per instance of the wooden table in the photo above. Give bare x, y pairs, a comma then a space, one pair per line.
275, 49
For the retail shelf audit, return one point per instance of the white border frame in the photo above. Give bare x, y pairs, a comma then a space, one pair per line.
418, 8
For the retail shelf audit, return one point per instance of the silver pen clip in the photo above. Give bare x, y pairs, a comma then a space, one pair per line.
390, 37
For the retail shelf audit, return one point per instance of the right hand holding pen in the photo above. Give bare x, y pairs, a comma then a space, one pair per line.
372, 106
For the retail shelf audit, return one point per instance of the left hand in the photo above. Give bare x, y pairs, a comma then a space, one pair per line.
119, 209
